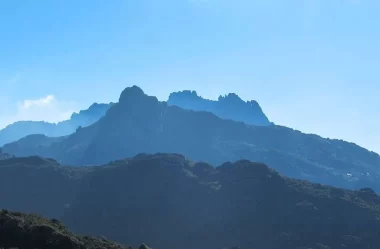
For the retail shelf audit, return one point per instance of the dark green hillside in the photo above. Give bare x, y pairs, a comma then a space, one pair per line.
168, 201
38, 185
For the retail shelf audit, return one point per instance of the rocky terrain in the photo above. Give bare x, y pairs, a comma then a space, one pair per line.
24, 231
169, 201
139, 123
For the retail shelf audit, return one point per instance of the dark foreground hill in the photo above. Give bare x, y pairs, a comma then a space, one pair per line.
20, 129
168, 201
230, 106
25, 231
141, 124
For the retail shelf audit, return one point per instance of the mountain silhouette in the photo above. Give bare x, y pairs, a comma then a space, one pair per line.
230, 106
169, 201
139, 123
20, 129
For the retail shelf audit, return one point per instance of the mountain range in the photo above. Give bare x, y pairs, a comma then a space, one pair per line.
139, 123
20, 129
230, 106
169, 201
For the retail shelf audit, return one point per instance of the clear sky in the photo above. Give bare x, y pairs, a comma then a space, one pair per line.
313, 65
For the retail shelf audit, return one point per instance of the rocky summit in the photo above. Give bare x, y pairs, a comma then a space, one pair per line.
230, 106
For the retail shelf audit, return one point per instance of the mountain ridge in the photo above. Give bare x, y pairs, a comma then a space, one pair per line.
139, 123
225, 107
20, 129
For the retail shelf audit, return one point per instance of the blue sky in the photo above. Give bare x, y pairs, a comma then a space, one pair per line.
311, 64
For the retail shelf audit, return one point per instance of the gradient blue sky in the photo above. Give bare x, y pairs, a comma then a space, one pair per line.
313, 65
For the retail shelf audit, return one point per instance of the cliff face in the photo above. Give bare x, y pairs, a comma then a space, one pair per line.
230, 107
169, 201
21, 129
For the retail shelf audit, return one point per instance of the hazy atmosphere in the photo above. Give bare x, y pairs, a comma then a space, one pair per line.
58, 57
189, 124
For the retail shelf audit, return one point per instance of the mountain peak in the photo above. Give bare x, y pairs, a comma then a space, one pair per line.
234, 98
231, 96
229, 106
132, 92
134, 99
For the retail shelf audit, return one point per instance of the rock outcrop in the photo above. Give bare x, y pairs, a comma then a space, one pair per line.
24, 231
230, 106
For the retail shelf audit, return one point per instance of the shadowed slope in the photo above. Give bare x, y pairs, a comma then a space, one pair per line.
171, 202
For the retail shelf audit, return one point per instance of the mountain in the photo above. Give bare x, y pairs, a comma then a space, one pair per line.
169, 201
20, 129
230, 106
24, 231
141, 124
